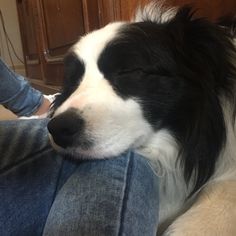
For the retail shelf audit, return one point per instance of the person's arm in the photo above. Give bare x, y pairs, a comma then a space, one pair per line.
17, 95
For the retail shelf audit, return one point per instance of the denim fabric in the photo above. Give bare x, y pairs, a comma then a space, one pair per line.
43, 193
30, 173
107, 198
16, 94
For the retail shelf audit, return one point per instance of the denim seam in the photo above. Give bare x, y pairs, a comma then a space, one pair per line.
58, 180
54, 197
126, 194
35, 108
32, 111
8, 167
8, 70
15, 95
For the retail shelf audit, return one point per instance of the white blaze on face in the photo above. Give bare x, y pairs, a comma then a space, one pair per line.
88, 49
112, 123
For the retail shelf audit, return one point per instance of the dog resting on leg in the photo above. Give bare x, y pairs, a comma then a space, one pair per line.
164, 86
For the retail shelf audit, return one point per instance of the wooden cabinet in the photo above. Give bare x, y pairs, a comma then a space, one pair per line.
57, 33
124, 9
50, 27
48, 30
26, 11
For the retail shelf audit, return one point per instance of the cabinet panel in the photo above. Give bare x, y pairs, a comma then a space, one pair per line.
27, 11
128, 8
91, 14
63, 22
209, 8
50, 27
28, 14
212, 9
109, 11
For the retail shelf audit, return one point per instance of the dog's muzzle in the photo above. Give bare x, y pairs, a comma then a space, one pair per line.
66, 128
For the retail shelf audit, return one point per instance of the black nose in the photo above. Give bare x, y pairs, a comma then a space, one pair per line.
65, 126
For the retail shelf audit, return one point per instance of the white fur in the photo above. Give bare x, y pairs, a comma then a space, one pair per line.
162, 150
156, 12
115, 124
111, 122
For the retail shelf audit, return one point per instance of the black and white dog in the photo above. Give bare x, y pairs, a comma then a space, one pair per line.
163, 85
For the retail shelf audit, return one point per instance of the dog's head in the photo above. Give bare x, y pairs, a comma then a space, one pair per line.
127, 81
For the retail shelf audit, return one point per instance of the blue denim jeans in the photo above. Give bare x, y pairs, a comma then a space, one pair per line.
42, 193
16, 94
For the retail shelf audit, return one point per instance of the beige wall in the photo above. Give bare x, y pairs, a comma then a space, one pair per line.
9, 12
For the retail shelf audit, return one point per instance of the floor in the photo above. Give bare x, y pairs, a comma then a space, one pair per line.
6, 114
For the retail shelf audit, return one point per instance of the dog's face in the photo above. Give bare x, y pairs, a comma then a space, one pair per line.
127, 82
118, 88
99, 114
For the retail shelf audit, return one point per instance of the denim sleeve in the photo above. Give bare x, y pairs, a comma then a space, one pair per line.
16, 94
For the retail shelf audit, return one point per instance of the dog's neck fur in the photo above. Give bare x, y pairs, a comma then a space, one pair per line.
162, 152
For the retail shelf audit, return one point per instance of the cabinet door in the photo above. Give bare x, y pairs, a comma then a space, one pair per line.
27, 11
62, 23
109, 11
128, 8
212, 9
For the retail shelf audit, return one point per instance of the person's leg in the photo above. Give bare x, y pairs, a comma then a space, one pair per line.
107, 198
112, 197
16, 94
30, 174
21, 138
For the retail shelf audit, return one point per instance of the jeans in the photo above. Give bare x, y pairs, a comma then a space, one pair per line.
42, 193
16, 94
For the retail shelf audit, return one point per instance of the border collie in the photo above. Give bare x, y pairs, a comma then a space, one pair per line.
164, 86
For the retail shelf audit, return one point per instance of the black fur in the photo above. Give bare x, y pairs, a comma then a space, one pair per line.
229, 23
73, 71
178, 71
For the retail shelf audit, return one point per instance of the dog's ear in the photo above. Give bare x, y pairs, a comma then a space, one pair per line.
229, 24
203, 52
206, 43
73, 72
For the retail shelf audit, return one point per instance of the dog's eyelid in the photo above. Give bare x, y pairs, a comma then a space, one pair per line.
129, 71
74, 67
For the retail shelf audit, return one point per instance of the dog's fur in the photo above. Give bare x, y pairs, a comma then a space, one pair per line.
163, 86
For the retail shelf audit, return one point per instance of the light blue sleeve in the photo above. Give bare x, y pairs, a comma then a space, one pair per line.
16, 94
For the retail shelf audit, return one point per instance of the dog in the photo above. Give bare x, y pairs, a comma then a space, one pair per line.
164, 86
